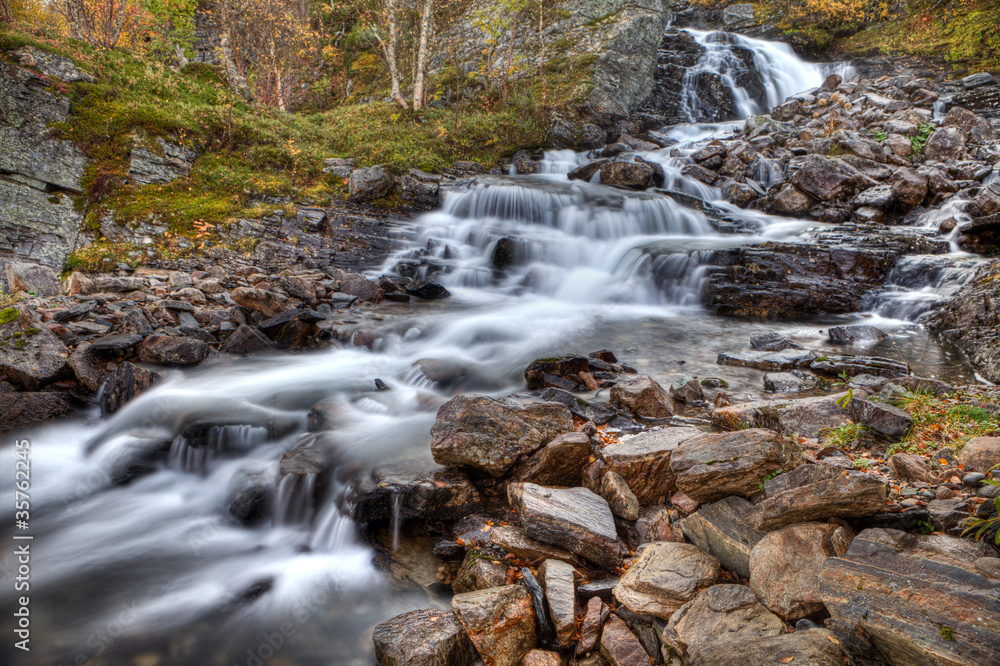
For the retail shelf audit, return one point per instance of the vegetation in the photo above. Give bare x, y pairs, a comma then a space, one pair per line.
943, 422
980, 528
845, 435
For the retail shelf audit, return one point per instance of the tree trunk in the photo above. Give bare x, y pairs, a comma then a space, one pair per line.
420, 81
390, 52
5, 11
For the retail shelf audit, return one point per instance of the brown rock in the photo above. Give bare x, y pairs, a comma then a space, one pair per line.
910, 467
664, 576
30, 354
785, 566
422, 638
621, 500
620, 647
166, 350
513, 540
713, 466
480, 432
559, 582
909, 187
572, 518
815, 647
643, 396
558, 463
480, 570
500, 622
722, 529
644, 461
358, 285
541, 658
125, 384
980, 454
267, 302
23, 410
590, 628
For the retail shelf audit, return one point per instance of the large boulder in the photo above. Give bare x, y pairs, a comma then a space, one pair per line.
720, 613
166, 350
643, 461
268, 302
945, 145
909, 188
805, 416
665, 576
370, 183
920, 598
422, 638
980, 454
630, 175
558, 463
413, 489
125, 384
23, 410
572, 518
785, 566
483, 433
813, 647
828, 178
714, 466
500, 621
32, 279
818, 492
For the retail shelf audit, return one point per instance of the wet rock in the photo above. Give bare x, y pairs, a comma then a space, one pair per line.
723, 529
539, 373
586, 171
573, 518
87, 368
558, 463
370, 183
643, 461
500, 622
980, 454
559, 581
590, 628
834, 364
790, 200
826, 178
805, 416
22, 410
818, 492
479, 571
910, 467
589, 411
421, 188
414, 489
620, 498
785, 566
719, 614
713, 466
247, 340
619, 646
486, 434
251, 493
166, 350
541, 658
788, 382
882, 418
945, 144
259, 300
358, 285
815, 647
32, 279
767, 360
664, 576
686, 389
920, 598
423, 638
427, 290
125, 384
630, 175
846, 335
909, 188
643, 396
30, 354
772, 342
116, 345
512, 539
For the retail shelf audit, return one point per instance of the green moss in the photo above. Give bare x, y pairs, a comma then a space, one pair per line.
20, 344
32, 332
7, 315
947, 633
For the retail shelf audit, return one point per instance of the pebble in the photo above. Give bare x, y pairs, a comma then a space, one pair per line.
973, 479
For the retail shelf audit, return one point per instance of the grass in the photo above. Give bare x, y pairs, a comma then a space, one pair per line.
246, 152
843, 436
942, 422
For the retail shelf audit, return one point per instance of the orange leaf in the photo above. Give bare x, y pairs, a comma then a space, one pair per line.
788, 660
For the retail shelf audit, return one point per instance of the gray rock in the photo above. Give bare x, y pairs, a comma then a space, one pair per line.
572, 518
818, 492
422, 638
827, 179
559, 581
370, 183
486, 434
480, 570
852, 334
247, 340
785, 566
50, 64
920, 598
720, 613
664, 576
26, 409
767, 360
722, 528
976, 80
772, 342
167, 350
160, 165
643, 396
945, 144
339, 167
500, 622
30, 354
32, 278
713, 466
125, 384
686, 389
737, 14
643, 461
882, 418
805, 416
788, 382
815, 647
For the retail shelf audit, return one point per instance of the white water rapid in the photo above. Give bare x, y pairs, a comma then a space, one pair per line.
155, 571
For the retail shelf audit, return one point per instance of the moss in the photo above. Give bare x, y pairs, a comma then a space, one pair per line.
947, 633
7, 315
20, 344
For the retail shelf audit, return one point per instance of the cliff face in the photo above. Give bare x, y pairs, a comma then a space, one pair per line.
39, 173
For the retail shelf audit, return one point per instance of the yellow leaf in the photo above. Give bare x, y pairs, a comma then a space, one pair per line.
788, 660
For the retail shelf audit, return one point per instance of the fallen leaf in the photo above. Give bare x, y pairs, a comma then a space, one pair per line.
788, 660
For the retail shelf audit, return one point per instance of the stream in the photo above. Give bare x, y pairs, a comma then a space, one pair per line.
155, 572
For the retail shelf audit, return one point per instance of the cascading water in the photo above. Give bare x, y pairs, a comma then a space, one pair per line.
138, 556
